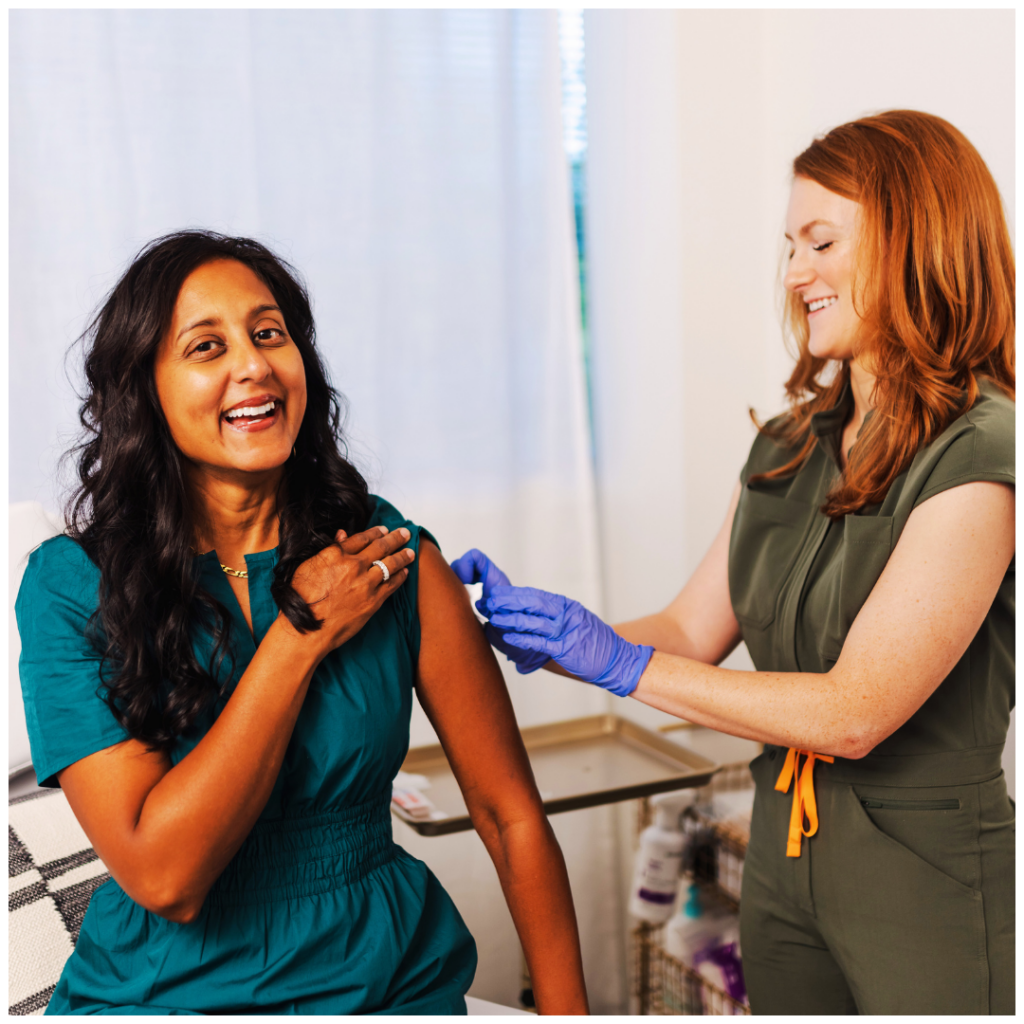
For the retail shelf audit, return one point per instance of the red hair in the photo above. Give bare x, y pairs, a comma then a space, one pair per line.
936, 286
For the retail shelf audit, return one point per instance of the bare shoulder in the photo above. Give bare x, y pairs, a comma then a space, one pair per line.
449, 629
440, 594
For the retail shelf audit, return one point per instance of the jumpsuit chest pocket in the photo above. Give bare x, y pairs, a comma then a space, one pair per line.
768, 535
846, 584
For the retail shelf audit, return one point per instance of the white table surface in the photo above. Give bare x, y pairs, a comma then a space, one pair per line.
482, 1008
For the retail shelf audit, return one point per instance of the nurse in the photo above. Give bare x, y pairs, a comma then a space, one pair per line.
867, 562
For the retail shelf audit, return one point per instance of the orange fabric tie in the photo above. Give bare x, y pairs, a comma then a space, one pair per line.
803, 795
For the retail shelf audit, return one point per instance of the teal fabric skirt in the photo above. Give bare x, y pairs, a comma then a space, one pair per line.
321, 914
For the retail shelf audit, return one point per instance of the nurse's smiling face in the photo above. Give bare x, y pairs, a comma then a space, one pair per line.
821, 227
230, 380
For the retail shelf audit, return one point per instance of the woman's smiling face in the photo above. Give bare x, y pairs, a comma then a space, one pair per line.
822, 230
231, 381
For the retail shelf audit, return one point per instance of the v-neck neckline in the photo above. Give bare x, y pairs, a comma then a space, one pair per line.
255, 565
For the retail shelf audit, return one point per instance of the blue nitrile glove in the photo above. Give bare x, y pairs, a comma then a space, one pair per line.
473, 567
574, 637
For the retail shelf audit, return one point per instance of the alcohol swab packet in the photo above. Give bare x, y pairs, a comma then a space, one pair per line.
406, 795
412, 802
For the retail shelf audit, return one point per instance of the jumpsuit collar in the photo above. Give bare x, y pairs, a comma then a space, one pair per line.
827, 424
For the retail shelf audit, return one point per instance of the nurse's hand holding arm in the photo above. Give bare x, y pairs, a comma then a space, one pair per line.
573, 637
475, 567
531, 626
928, 604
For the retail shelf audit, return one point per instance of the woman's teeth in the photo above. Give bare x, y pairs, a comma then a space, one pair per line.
821, 303
249, 410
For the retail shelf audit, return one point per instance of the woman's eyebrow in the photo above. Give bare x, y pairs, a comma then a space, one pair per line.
213, 321
813, 224
256, 310
210, 321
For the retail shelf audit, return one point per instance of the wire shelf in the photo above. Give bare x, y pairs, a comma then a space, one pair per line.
665, 986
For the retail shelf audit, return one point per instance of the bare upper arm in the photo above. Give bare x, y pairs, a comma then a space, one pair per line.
106, 791
928, 604
702, 611
463, 693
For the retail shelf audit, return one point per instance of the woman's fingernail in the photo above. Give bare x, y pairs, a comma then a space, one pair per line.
404, 533
383, 529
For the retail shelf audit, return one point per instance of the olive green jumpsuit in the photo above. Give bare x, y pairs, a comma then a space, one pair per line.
902, 901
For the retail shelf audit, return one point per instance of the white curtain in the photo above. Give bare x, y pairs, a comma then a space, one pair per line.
410, 164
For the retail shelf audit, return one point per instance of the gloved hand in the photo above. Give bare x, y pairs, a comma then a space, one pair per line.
473, 567
574, 637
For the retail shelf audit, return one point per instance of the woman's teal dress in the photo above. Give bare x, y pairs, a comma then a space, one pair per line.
319, 911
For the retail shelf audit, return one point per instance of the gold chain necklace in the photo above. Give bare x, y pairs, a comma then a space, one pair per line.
242, 574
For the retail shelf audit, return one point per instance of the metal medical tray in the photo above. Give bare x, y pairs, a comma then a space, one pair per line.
583, 762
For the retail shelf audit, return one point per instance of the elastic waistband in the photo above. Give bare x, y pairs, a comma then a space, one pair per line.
296, 857
949, 768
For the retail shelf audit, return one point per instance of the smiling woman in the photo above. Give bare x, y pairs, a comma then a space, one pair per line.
232, 387
226, 336
227, 736
821, 266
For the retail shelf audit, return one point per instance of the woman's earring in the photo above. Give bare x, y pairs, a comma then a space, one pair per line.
295, 454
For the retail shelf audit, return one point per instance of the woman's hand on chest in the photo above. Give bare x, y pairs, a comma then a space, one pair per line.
344, 588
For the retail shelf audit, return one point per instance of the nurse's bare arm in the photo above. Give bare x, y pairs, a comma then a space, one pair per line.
699, 623
166, 832
463, 693
916, 624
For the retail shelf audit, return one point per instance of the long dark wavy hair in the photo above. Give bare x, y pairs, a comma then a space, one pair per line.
131, 511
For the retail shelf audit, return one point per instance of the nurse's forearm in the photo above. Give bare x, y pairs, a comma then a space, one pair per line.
809, 710
660, 631
710, 641
664, 633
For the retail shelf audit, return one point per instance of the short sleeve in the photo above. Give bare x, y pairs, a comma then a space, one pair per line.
981, 445
405, 597
59, 665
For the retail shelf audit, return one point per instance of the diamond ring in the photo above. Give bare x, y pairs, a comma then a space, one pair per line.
384, 569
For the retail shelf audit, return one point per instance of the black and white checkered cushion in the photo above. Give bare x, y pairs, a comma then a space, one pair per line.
53, 874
